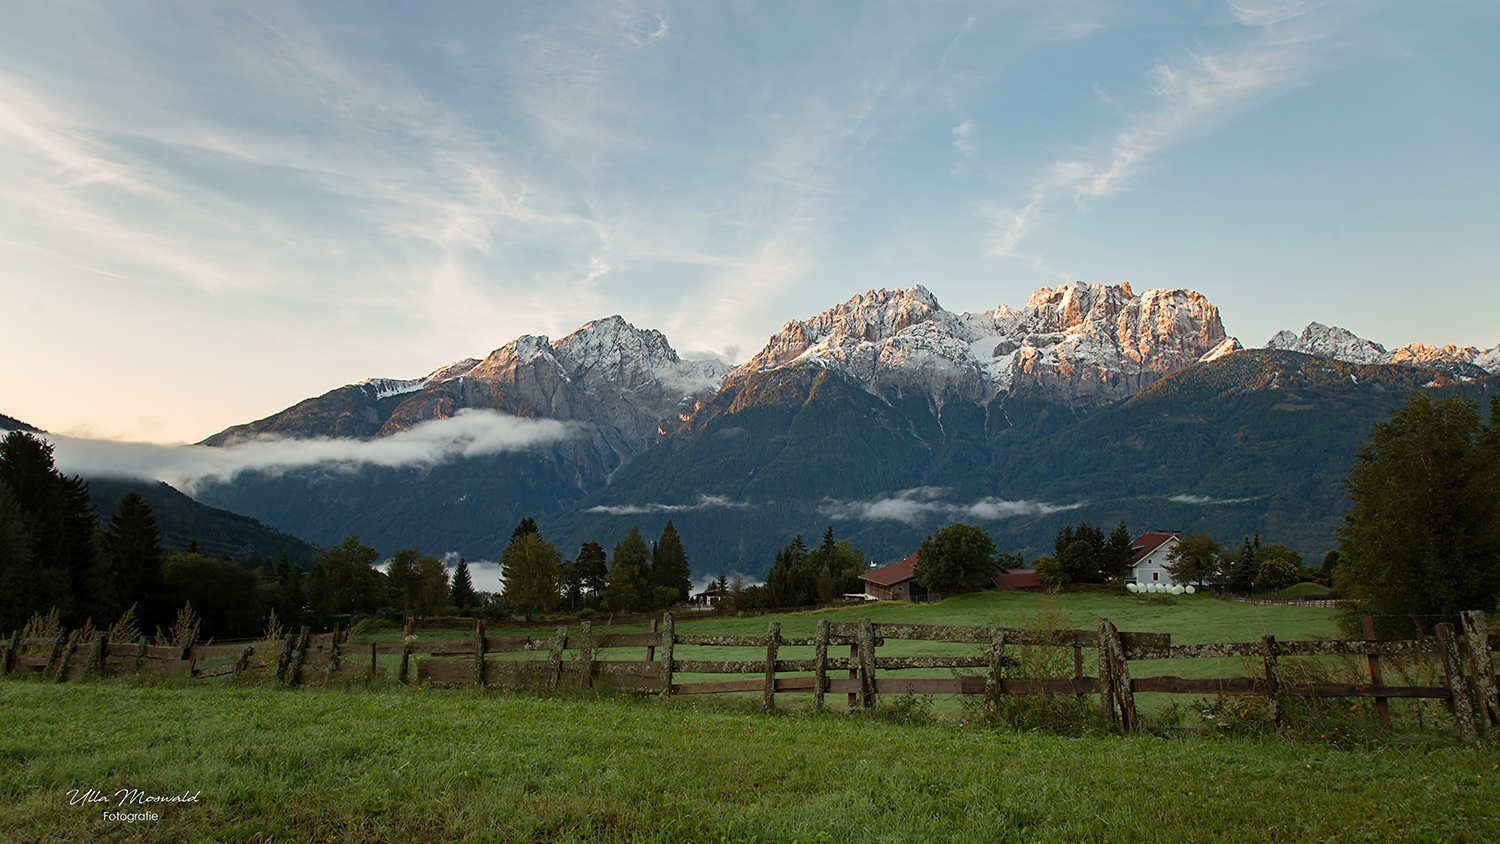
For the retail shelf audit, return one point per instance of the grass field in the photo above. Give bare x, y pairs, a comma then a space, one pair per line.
373, 762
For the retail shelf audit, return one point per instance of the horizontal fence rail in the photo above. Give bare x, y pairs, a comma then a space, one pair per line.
655, 662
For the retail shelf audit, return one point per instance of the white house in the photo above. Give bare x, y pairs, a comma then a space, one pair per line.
1148, 557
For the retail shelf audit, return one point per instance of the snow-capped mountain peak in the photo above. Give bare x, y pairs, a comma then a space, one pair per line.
1339, 344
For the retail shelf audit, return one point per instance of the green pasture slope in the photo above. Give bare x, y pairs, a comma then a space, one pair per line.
367, 763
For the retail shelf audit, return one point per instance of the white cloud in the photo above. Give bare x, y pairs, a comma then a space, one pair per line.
1191, 499
469, 433
704, 502
1185, 99
963, 138
921, 503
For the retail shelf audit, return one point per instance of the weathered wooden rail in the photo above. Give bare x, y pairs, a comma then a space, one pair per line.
58, 658
568, 659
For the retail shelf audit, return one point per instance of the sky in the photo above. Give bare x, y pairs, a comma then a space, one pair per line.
209, 212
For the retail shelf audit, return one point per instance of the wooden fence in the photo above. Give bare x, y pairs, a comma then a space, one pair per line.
566, 659
62, 657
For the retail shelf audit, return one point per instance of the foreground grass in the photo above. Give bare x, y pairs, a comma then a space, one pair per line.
433, 765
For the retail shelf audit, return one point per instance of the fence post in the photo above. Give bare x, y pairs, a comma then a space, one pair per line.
994, 682
1119, 676
1106, 678
12, 648
95, 664
244, 661
820, 663
773, 643
140, 653
668, 638
479, 645
557, 655
374, 657
1273, 682
56, 652
284, 656
334, 652
67, 657
866, 663
1382, 705
586, 654
650, 649
405, 660
1458, 690
1477, 632
294, 671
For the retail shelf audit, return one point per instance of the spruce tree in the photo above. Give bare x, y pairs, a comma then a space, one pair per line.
463, 595
133, 542
629, 582
67, 567
525, 526
593, 567
669, 567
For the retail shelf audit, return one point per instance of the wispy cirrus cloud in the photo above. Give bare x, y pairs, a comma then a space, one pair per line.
911, 506
1184, 99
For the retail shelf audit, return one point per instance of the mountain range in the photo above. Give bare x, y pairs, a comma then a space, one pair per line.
885, 416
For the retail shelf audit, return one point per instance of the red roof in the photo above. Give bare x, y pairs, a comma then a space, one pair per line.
892, 574
1145, 544
1016, 579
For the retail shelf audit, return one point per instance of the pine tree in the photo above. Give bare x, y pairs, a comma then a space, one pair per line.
133, 542
525, 526
293, 592
463, 595
67, 567
629, 581
669, 567
593, 568
403, 581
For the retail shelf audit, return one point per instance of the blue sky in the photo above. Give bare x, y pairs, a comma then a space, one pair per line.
211, 211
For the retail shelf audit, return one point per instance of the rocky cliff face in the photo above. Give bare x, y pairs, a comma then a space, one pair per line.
618, 378
1334, 342
1080, 345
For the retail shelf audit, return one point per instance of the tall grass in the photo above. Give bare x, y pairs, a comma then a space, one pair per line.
432, 765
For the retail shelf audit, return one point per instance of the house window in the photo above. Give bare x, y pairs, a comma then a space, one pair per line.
1156, 575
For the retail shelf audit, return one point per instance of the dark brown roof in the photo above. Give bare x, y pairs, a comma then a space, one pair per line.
1016, 579
1145, 544
892, 574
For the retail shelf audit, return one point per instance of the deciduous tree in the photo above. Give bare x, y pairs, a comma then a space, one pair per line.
629, 581
531, 567
954, 557
1421, 540
1193, 559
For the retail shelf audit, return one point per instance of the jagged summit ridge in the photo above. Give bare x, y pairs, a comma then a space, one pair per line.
608, 373
1079, 344
1340, 344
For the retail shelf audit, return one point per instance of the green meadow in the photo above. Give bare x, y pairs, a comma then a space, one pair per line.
371, 761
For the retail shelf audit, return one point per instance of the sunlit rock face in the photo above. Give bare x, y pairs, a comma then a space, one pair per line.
1339, 344
620, 380
1079, 345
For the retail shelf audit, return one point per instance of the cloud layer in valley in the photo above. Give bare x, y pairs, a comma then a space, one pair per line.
704, 502
469, 433
923, 503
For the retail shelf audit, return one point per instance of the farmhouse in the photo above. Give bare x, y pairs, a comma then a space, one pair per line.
1148, 557
894, 582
